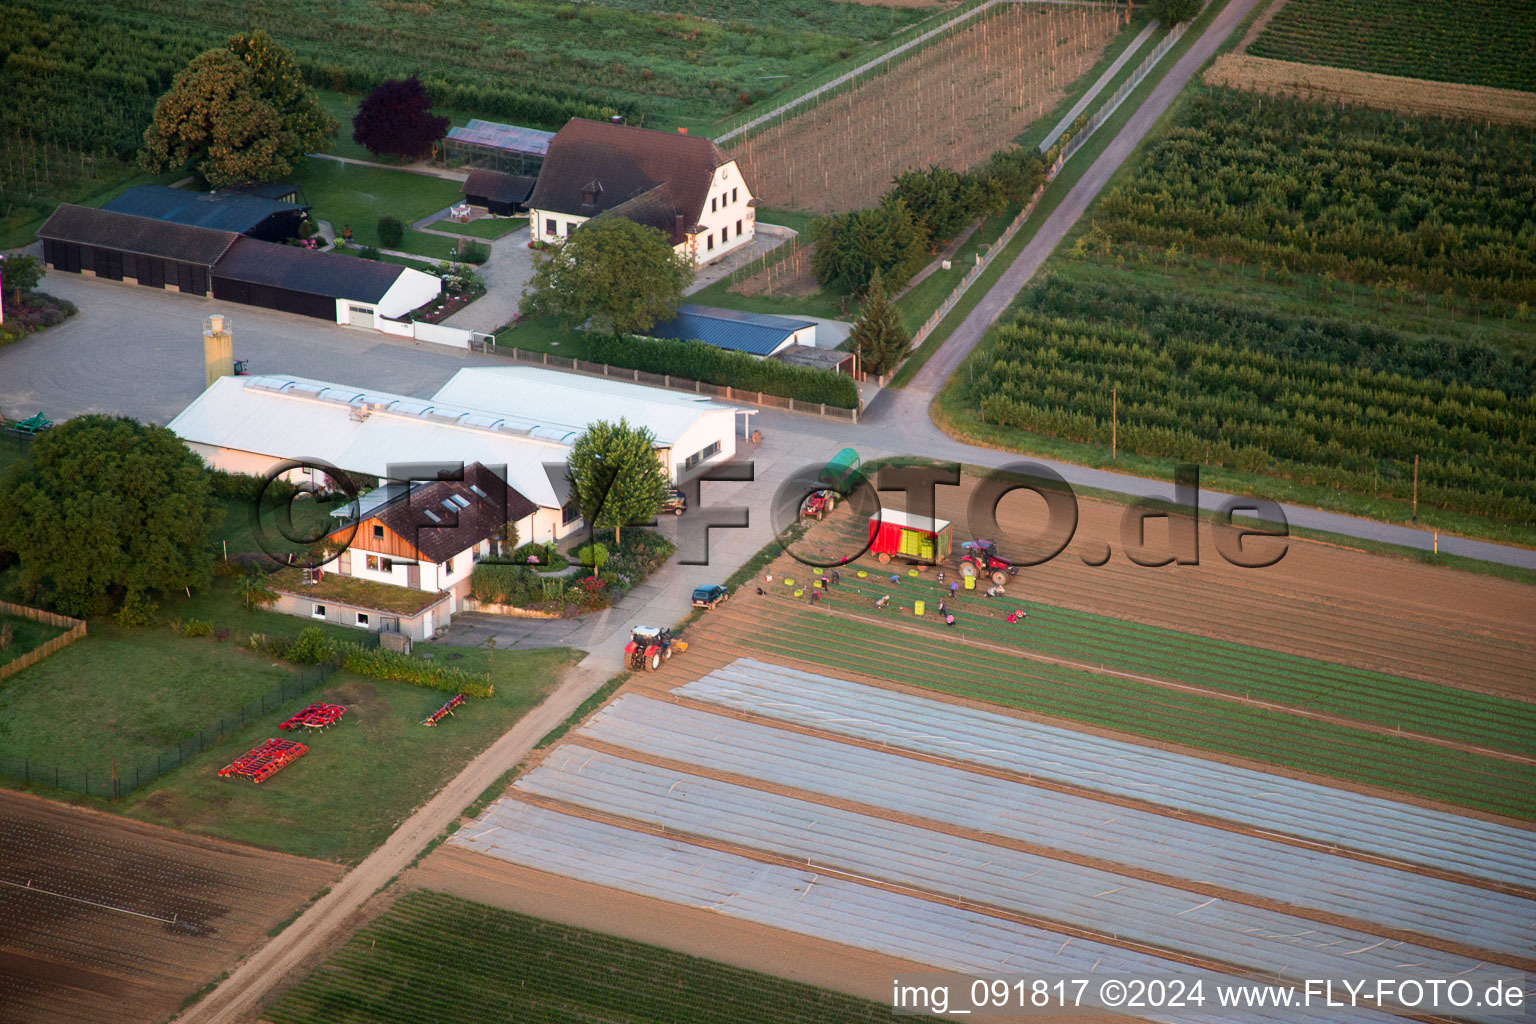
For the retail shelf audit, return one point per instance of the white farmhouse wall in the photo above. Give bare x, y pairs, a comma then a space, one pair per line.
708, 429
722, 212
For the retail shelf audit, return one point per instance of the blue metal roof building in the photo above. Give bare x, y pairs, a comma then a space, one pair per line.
754, 333
254, 216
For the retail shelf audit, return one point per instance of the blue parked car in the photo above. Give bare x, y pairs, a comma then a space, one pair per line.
708, 597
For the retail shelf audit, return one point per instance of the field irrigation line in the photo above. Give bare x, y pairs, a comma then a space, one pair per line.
884, 58
1098, 87
1371, 727
29, 887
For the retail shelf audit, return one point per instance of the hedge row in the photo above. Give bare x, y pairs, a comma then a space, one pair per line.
379, 663
698, 361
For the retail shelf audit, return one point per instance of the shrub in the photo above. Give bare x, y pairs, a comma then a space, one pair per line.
307, 228
193, 627
275, 646
137, 610
474, 252
391, 231
310, 647
369, 252
378, 663
517, 585
593, 556
698, 361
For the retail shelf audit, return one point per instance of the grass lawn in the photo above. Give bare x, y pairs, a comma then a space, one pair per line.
529, 969
485, 227
239, 533
25, 635
350, 194
545, 334
128, 694
360, 778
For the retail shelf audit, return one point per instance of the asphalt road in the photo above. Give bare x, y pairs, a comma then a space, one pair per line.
139, 353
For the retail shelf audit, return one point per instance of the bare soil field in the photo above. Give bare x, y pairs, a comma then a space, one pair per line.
104, 918
1319, 601
953, 104
1413, 96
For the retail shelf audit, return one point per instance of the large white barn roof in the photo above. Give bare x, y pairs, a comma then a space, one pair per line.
549, 396
367, 431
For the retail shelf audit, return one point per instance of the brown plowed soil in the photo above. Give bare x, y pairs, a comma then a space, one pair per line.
1320, 600
952, 103
107, 919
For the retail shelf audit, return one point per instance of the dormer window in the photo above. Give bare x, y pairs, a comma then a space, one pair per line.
590, 191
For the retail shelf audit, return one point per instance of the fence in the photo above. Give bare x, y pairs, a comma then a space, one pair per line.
980, 268
660, 380
75, 630
418, 330
110, 778
1072, 145
1126, 88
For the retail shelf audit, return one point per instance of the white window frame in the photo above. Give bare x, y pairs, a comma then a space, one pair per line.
364, 621
317, 612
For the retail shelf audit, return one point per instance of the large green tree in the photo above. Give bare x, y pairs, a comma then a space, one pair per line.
878, 336
236, 114
621, 276
107, 508
19, 274
1171, 12
616, 475
852, 246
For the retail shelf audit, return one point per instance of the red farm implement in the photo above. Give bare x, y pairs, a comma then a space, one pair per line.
444, 711
316, 716
265, 761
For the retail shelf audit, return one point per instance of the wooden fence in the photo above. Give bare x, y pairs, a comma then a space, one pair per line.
75, 627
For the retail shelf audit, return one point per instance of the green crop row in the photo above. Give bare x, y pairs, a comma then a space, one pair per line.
947, 664
434, 958
86, 75
1376, 698
1363, 195
1480, 42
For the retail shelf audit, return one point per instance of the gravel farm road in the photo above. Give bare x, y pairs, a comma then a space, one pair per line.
240, 997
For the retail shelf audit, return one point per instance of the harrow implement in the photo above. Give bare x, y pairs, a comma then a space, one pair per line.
444, 711
316, 716
266, 760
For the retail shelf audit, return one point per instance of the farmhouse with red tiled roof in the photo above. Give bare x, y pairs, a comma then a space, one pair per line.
682, 185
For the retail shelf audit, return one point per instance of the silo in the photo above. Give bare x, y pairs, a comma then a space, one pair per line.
218, 348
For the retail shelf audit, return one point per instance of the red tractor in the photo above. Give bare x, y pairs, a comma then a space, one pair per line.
818, 504
649, 646
981, 559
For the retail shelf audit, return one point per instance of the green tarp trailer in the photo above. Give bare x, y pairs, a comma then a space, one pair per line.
919, 538
839, 470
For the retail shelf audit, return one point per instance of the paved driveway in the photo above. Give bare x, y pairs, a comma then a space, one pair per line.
506, 272
137, 352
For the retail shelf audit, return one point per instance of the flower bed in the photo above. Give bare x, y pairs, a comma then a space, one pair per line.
631, 561
37, 311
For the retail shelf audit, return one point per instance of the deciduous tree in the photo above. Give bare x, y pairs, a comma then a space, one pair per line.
236, 114
621, 276
851, 247
396, 120
1171, 12
20, 273
107, 509
617, 478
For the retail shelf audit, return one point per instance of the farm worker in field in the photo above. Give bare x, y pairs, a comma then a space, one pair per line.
949, 620
882, 602
895, 578
995, 591
836, 579
941, 606
941, 577
815, 596
954, 588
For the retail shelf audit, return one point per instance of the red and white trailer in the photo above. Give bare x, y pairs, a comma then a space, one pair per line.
894, 534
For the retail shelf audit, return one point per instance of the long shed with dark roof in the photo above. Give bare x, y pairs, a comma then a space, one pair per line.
249, 215
163, 254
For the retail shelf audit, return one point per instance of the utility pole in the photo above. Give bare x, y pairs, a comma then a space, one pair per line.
1415, 488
